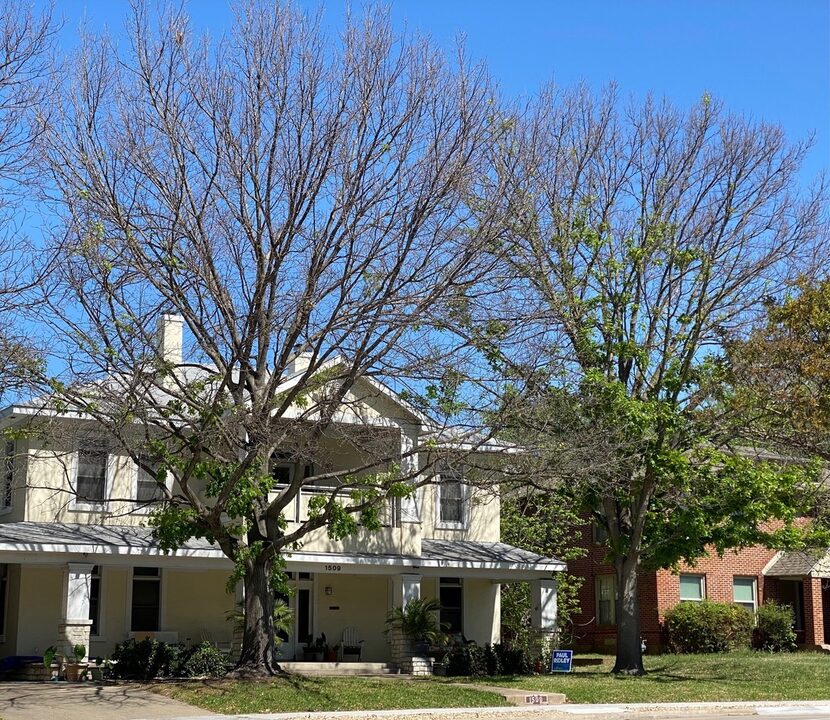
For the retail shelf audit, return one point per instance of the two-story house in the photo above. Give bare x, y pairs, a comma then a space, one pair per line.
78, 562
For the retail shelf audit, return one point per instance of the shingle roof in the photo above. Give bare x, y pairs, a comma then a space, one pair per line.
800, 564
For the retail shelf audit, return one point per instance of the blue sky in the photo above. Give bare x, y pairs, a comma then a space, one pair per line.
768, 59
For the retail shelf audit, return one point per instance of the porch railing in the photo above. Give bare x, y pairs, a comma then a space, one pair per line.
297, 510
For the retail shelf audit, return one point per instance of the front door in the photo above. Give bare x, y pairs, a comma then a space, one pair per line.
300, 601
825, 602
791, 592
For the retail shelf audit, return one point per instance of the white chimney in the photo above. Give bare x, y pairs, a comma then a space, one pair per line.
170, 333
298, 362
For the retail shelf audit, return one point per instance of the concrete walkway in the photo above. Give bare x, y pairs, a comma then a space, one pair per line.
64, 701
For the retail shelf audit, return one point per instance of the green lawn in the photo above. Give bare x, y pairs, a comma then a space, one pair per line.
670, 678
677, 678
297, 694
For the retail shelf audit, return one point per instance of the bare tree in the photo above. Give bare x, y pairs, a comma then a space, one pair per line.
25, 54
302, 207
638, 236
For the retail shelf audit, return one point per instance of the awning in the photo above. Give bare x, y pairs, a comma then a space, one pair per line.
800, 564
131, 545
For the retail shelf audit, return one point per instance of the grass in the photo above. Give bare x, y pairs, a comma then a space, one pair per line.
691, 678
670, 678
299, 694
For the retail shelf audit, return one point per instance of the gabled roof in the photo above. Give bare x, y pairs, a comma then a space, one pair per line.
800, 564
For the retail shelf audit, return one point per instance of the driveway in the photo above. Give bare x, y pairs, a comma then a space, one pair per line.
62, 701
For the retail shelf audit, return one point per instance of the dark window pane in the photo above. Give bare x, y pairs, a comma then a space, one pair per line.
4, 571
451, 597
92, 475
146, 599
303, 614
451, 501
94, 603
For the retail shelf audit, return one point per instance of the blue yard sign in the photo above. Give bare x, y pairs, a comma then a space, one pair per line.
561, 661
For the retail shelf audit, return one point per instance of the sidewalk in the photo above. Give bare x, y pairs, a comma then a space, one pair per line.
809, 708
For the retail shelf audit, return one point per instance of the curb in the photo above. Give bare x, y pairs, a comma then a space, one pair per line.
759, 707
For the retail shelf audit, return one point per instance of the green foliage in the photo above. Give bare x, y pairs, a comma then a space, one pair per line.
774, 632
547, 524
466, 660
79, 651
202, 660
418, 621
49, 656
708, 627
144, 659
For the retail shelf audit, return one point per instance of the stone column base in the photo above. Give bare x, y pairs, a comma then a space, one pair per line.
70, 634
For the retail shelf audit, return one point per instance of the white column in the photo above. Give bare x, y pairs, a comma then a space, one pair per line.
544, 601
75, 624
411, 505
405, 587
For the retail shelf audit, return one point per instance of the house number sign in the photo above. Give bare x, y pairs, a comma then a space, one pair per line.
333, 568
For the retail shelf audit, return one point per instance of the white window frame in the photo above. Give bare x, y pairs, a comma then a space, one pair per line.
81, 505
144, 508
701, 578
598, 580
754, 580
465, 492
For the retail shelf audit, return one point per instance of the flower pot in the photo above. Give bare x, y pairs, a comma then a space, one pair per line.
420, 648
74, 671
331, 656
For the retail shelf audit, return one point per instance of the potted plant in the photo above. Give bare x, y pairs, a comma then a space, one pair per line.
97, 673
418, 623
320, 648
74, 670
49, 660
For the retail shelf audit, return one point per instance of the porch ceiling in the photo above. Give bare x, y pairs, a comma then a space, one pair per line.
63, 542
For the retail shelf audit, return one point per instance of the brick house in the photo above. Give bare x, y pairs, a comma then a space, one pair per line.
748, 577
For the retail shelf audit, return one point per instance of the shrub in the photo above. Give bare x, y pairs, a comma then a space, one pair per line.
468, 660
202, 660
775, 628
514, 659
145, 659
708, 627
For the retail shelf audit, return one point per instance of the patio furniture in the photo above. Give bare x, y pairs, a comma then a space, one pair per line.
350, 643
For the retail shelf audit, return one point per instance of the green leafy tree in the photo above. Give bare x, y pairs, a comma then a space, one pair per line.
546, 524
639, 237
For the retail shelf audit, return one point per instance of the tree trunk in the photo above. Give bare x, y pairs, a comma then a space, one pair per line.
257, 657
629, 653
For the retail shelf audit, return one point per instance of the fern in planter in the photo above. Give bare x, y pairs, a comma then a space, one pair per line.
418, 623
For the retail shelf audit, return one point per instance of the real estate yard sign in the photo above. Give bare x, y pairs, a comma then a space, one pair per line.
561, 661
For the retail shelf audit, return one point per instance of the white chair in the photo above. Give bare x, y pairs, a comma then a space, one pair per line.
350, 643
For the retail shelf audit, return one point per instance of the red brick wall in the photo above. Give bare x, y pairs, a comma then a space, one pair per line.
660, 591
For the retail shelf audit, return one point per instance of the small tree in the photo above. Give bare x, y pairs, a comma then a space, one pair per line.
301, 205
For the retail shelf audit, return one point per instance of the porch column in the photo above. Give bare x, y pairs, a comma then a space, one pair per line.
813, 612
406, 588
410, 505
75, 624
544, 609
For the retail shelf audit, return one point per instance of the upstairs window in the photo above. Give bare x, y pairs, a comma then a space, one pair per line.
148, 489
91, 480
282, 469
451, 499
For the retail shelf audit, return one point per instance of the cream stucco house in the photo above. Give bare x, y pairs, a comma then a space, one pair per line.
77, 560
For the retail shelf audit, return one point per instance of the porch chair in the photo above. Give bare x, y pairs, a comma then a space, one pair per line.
350, 643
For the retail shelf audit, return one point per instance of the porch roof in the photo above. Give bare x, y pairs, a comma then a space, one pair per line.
800, 564
63, 542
